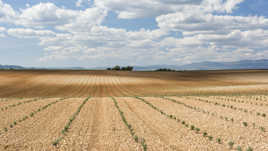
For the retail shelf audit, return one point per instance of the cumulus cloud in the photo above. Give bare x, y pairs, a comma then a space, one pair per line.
231, 4
140, 8
84, 20
48, 15
216, 37
7, 13
237, 31
45, 14
209, 22
80, 35
102, 42
2, 29
29, 33
254, 39
226, 6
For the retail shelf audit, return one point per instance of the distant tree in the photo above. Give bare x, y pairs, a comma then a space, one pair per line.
117, 68
165, 69
129, 68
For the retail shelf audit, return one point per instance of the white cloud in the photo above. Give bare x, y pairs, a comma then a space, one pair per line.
84, 20
45, 14
253, 39
219, 5
207, 22
141, 8
48, 15
231, 4
103, 43
7, 13
29, 33
80, 35
221, 32
2, 30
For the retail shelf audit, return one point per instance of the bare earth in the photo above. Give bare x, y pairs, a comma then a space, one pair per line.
133, 111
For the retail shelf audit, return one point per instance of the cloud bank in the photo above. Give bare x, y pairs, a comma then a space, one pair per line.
187, 31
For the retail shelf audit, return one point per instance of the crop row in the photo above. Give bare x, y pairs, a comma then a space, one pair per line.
32, 114
68, 125
241, 101
132, 132
230, 107
227, 119
252, 97
8, 99
192, 127
17, 104
183, 122
3, 99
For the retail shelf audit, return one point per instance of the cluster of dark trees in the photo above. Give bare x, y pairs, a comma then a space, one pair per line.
118, 68
165, 69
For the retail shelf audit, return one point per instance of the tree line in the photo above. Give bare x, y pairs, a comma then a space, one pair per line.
166, 70
118, 68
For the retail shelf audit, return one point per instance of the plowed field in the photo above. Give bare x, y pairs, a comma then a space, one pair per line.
133, 111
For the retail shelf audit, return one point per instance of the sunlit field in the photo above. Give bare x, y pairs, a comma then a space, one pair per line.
117, 110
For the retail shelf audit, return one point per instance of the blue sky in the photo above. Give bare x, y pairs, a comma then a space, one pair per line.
86, 33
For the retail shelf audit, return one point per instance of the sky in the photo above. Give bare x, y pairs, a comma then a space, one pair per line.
97, 33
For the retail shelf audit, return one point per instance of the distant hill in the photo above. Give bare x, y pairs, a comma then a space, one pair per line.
243, 64
11, 67
16, 67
